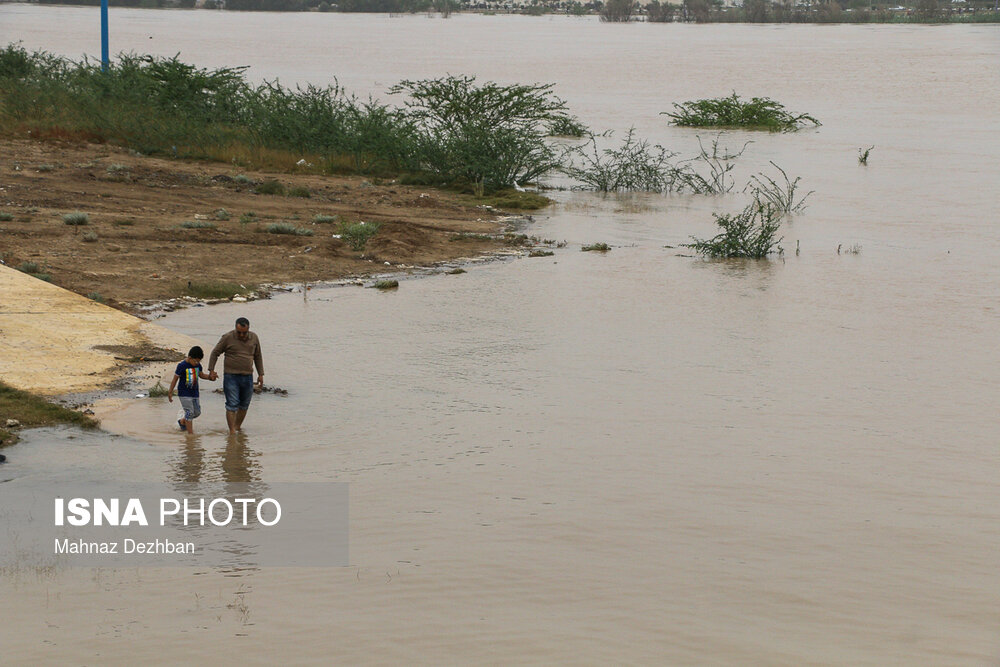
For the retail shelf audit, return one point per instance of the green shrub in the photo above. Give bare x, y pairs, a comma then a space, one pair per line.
386, 284
596, 247
248, 217
6, 217
157, 390
221, 214
759, 113
300, 192
90, 237
96, 296
270, 187
358, 234
321, 219
288, 228
198, 224
29, 267
752, 233
76, 218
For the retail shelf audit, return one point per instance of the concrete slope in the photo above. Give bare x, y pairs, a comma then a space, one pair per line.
48, 337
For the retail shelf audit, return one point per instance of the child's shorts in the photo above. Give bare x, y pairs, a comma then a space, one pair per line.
191, 405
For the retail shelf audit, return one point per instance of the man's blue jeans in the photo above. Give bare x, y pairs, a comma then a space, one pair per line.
238, 390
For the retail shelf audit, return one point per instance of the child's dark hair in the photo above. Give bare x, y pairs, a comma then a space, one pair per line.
196, 353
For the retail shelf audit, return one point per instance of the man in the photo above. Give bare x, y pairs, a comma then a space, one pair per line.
242, 350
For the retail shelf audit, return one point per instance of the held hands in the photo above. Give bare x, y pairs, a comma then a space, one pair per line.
213, 376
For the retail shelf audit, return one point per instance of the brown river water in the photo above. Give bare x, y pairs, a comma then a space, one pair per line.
639, 457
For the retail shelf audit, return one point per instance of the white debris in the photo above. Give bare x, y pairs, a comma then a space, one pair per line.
13, 423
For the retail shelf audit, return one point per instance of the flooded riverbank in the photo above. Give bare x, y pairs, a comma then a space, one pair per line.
630, 457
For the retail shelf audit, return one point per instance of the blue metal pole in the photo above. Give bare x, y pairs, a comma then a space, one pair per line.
104, 35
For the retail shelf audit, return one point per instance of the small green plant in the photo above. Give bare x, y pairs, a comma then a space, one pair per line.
300, 192
751, 233
288, 228
29, 267
386, 284
853, 250
117, 169
863, 154
270, 187
781, 198
596, 247
455, 272
221, 214
44, 168
243, 179
76, 218
540, 253
358, 234
248, 217
90, 237
157, 390
96, 296
6, 217
128, 222
758, 113
321, 219
198, 224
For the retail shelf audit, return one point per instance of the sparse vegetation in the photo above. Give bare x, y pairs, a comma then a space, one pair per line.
248, 217
221, 214
758, 113
566, 126
596, 247
541, 253
29, 267
863, 154
357, 234
96, 296
635, 165
386, 284
198, 224
751, 233
90, 237
322, 219
300, 192
455, 272
33, 411
6, 217
780, 197
288, 228
76, 218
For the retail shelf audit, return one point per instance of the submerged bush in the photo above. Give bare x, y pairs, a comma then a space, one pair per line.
758, 113
750, 233
635, 165
780, 197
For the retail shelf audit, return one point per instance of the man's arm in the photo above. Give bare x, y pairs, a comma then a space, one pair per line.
220, 347
170, 392
258, 360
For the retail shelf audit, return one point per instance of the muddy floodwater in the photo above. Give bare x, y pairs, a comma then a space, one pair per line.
637, 457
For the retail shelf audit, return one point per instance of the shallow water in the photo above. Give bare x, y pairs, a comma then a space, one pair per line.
632, 457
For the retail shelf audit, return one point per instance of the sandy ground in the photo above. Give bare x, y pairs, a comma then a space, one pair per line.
55, 342
134, 248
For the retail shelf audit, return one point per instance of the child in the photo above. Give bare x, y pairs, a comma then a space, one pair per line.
188, 372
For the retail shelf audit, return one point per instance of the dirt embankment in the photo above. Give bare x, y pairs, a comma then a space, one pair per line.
136, 248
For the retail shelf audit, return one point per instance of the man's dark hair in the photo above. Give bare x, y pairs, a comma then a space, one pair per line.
196, 353
242, 322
